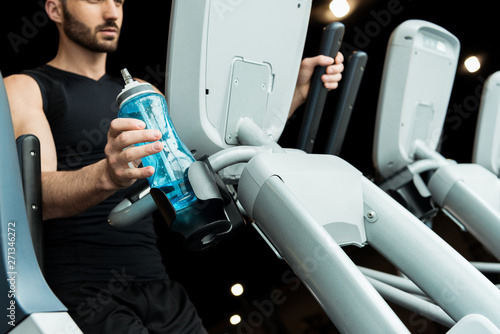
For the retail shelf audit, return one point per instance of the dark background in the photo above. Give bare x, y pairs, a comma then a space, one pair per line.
29, 39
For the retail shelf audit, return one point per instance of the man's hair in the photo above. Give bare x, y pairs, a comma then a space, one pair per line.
62, 1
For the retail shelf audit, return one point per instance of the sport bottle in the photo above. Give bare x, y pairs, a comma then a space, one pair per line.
139, 100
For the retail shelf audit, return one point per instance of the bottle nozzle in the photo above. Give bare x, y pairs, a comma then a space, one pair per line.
126, 76
132, 87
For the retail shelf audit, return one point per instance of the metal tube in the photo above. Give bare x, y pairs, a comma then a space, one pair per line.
234, 155
412, 303
251, 134
432, 264
421, 151
127, 213
487, 267
342, 290
395, 281
425, 165
480, 219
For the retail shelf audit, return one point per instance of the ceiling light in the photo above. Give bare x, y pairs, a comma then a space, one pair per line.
235, 319
472, 64
237, 289
339, 8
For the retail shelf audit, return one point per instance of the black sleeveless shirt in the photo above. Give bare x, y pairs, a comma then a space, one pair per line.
85, 247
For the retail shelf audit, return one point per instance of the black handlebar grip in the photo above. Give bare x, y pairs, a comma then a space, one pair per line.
351, 80
331, 40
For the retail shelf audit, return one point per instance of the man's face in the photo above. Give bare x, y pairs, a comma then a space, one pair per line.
93, 24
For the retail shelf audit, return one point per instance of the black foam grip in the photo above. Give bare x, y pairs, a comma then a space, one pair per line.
331, 40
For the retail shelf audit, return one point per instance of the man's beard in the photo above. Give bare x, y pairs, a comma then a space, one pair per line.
81, 34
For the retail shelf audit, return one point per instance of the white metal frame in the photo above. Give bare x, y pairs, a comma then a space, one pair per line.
486, 151
295, 198
418, 76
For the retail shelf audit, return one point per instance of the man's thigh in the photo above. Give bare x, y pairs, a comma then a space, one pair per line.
143, 307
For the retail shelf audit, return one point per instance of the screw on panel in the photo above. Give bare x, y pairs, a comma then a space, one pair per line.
371, 216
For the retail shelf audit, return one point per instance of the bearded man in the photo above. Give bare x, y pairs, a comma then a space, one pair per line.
111, 280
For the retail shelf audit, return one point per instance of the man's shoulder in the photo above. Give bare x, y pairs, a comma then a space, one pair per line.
20, 81
23, 91
32, 81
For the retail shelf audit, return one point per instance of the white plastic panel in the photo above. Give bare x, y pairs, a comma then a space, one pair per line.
480, 180
328, 188
486, 151
251, 84
474, 323
47, 323
207, 39
419, 71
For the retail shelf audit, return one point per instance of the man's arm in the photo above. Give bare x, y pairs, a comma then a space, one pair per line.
331, 78
66, 193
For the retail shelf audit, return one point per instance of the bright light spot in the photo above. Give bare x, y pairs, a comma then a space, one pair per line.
472, 64
339, 8
440, 46
235, 319
237, 289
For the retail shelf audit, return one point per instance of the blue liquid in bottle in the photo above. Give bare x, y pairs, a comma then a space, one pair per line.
140, 101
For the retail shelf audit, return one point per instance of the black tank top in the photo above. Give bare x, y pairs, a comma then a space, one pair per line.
85, 247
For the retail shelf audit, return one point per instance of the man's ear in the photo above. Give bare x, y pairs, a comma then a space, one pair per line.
54, 10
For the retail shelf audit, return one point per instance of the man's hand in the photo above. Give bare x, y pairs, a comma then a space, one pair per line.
331, 78
121, 154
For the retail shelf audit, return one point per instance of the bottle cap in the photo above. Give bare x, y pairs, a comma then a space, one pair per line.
132, 88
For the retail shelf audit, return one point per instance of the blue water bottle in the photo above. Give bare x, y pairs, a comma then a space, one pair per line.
140, 101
